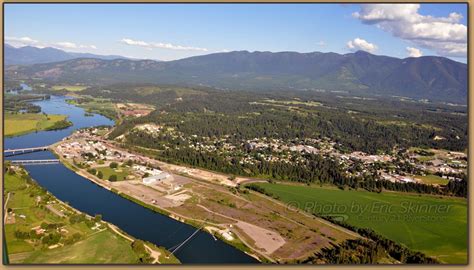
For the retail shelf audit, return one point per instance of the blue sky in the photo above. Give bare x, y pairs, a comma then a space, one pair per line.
173, 31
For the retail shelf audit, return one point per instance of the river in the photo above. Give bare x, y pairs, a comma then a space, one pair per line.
89, 198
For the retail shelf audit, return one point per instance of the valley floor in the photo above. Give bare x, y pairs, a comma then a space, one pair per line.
246, 220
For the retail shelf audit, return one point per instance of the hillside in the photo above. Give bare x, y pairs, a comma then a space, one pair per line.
434, 78
31, 55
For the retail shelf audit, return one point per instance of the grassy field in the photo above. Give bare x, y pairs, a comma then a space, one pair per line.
96, 105
28, 207
18, 124
102, 247
72, 88
295, 102
433, 225
180, 92
425, 158
121, 172
433, 179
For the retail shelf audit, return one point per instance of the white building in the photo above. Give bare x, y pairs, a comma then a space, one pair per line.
155, 178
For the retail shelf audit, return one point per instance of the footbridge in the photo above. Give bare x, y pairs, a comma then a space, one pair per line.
178, 246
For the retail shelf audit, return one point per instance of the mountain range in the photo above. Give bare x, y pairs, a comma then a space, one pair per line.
32, 55
427, 77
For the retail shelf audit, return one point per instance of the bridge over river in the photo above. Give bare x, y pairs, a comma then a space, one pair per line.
34, 161
21, 151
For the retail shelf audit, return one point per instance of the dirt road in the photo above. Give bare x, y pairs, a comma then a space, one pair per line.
5, 208
153, 253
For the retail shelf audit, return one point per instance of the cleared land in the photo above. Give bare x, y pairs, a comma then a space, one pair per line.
295, 102
72, 88
179, 91
22, 123
436, 226
268, 227
433, 179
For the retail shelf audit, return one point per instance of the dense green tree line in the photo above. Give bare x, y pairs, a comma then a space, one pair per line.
60, 125
458, 188
21, 102
362, 251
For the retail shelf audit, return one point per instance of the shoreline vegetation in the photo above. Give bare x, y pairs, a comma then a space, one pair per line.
94, 106
17, 124
64, 231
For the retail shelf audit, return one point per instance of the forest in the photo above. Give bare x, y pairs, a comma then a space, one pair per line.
19, 103
372, 125
356, 123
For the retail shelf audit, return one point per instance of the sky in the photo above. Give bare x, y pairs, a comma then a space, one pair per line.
174, 31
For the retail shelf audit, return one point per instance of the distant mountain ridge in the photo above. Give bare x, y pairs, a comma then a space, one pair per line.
32, 55
430, 77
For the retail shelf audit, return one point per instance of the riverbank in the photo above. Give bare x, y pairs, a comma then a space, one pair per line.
95, 105
194, 222
23, 123
243, 219
39, 228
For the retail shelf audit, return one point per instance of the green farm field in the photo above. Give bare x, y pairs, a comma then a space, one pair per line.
436, 226
72, 88
19, 124
433, 179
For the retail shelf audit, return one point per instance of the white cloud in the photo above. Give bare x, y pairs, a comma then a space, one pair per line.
361, 44
444, 35
414, 52
160, 45
21, 41
321, 43
135, 42
27, 41
66, 45
71, 45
